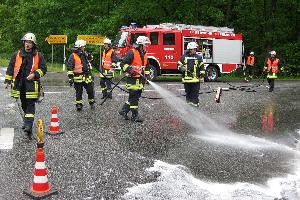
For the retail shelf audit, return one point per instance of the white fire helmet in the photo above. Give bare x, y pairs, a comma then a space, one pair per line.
80, 43
143, 40
192, 45
107, 41
251, 53
273, 53
30, 37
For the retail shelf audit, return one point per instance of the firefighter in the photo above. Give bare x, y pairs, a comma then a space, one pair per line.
109, 62
272, 65
79, 73
135, 64
191, 67
23, 75
250, 67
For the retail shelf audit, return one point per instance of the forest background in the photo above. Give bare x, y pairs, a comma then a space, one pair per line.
265, 24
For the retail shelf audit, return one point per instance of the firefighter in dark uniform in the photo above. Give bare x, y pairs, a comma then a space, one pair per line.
272, 65
79, 73
109, 62
23, 75
250, 67
191, 67
135, 64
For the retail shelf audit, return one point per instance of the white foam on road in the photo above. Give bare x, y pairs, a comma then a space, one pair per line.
6, 138
176, 183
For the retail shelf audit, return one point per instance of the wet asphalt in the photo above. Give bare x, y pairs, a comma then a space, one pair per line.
100, 154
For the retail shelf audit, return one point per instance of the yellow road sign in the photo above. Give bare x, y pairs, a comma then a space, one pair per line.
92, 39
56, 39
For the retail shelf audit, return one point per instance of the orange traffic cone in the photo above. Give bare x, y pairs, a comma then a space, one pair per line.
40, 187
54, 125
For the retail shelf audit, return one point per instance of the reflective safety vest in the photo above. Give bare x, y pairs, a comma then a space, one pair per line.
106, 60
78, 65
137, 62
18, 63
250, 60
193, 78
272, 68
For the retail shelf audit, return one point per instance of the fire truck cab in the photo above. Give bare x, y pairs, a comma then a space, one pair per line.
220, 48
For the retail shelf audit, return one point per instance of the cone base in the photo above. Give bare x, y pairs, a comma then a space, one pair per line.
58, 133
35, 195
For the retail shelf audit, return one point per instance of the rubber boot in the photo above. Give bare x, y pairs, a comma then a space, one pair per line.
78, 106
92, 105
28, 127
23, 126
125, 109
110, 95
104, 94
135, 116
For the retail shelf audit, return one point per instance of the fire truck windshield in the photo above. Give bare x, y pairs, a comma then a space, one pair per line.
121, 39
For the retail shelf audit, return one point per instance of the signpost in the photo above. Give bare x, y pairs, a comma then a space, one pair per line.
58, 39
93, 39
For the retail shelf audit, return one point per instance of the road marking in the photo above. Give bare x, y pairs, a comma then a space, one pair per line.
6, 138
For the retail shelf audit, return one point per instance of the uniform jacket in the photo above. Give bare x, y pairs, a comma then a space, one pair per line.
193, 66
29, 62
109, 61
272, 67
79, 67
135, 58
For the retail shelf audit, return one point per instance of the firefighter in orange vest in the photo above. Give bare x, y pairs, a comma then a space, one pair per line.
135, 64
191, 67
23, 75
79, 73
109, 62
272, 65
250, 67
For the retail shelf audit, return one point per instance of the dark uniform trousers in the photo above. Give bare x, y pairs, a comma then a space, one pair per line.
271, 84
192, 92
105, 84
28, 107
89, 87
134, 96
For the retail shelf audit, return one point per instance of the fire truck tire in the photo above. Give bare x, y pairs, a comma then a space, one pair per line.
153, 72
211, 73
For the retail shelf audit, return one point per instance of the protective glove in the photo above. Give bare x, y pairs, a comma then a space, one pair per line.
71, 81
7, 84
182, 68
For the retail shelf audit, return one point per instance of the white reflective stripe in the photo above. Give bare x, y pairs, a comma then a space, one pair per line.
54, 115
40, 165
40, 179
54, 124
168, 49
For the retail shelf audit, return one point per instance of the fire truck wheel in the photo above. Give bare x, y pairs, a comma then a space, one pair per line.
153, 72
211, 73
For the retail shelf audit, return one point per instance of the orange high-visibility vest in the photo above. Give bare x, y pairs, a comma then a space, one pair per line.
78, 65
273, 66
18, 63
107, 61
137, 61
250, 60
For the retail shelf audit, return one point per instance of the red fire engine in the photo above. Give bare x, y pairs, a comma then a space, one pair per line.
220, 47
